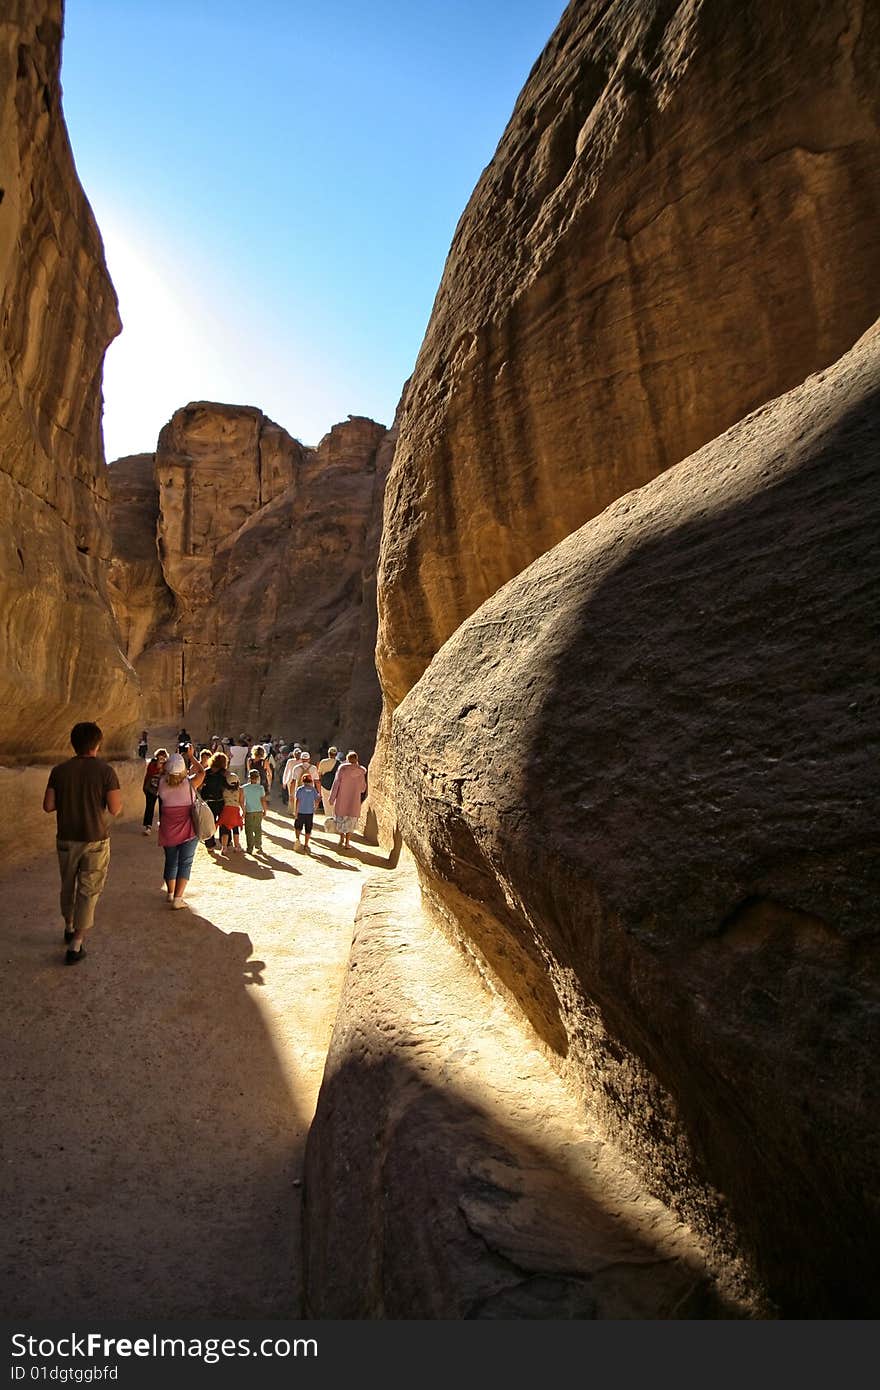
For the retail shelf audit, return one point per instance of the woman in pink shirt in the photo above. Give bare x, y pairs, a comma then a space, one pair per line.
346, 795
177, 834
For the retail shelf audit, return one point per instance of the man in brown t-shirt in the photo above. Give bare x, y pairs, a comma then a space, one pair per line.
84, 793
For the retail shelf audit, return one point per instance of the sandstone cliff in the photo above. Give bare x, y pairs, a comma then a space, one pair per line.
245, 574
641, 783
59, 648
142, 600
680, 222
216, 466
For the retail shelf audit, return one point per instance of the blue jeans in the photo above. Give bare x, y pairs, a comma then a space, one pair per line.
179, 858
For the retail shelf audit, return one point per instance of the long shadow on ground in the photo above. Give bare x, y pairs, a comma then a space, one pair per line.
151, 1140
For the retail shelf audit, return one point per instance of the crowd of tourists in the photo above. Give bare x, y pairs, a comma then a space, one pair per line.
211, 795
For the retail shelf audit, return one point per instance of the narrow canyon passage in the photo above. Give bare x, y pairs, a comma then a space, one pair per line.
158, 1096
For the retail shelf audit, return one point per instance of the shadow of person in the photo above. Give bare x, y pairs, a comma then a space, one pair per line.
279, 866
379, 861
324, 837
149, 1160
286, 842
244, 865
331, 863
253, 972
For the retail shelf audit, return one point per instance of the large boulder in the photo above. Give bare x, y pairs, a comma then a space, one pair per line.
59, 648
680, 223
641, 784
448, 1172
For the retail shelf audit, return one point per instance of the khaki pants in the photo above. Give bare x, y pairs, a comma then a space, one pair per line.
84, 865
253, 830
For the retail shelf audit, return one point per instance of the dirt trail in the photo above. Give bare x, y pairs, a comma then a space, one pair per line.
158, 1095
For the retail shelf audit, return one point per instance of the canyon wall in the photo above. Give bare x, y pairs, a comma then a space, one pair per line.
244, 574
142, 601
638, 778
59, 646
640, 783
681, 221
229, 578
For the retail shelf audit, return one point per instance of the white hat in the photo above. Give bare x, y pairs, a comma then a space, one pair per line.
175, 764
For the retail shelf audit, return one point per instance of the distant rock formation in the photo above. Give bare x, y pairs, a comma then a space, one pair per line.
680, 222
142, 601
641, 781
257, 557
216, 467
59, 647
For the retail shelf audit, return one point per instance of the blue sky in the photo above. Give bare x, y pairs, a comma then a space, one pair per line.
278, 185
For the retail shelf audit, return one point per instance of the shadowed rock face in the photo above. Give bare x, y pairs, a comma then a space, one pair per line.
680, 222
59, 648
256, 556
643, 779
142, 601
449, 1173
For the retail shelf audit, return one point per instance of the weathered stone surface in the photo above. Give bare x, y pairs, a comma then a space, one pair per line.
682, 220
449, 1173
216, 466
362, 709
262, 589
142, 601
642, 783
59, 649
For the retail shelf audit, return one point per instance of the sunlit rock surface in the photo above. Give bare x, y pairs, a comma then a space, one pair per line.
257, 557
59, 649
641, 784
216, 466
449, 1174
680, 223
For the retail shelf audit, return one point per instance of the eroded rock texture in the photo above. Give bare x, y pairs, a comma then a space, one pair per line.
256, 556
448, 1173
142, 600
642, 781
59, 648
680, 222
216, 466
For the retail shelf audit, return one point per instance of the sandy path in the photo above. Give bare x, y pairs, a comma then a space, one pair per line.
157, 1096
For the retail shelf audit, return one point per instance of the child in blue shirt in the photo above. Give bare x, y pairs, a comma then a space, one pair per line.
254, 806
306, 801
